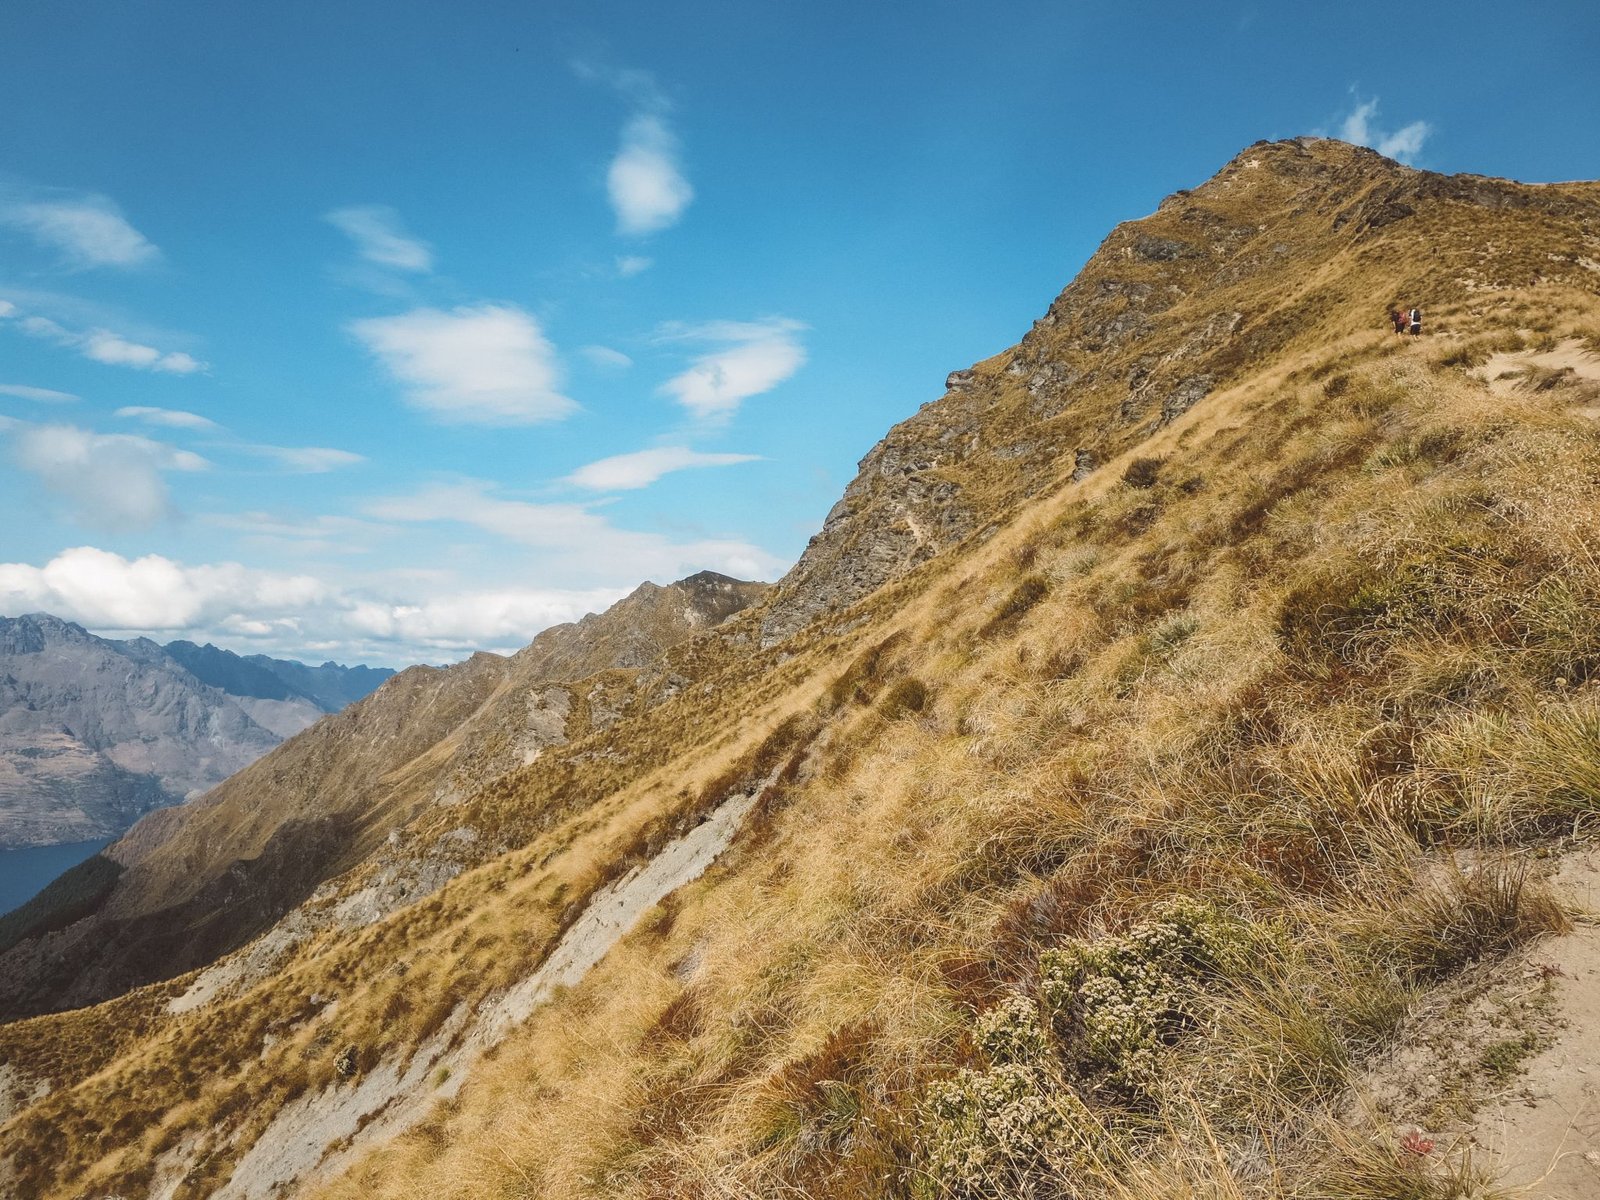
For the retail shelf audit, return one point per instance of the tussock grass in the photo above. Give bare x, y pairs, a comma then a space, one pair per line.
1359, 676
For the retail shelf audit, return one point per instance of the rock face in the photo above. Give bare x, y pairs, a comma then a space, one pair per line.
96, 732
201, 879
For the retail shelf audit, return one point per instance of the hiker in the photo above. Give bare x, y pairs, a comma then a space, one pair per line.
1414, 320
1398, 320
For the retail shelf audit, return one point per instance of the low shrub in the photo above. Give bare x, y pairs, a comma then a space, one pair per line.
1023, 597
1143, 472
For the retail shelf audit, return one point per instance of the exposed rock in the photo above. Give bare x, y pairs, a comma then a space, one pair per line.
347, 1061
1157, 249
95, 732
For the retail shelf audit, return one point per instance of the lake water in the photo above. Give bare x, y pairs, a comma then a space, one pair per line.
23, 872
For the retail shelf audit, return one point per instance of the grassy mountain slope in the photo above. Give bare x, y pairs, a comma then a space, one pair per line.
1163, 716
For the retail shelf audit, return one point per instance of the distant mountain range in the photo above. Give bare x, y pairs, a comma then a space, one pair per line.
96, 732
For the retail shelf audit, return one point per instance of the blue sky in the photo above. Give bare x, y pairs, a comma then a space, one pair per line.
388, 331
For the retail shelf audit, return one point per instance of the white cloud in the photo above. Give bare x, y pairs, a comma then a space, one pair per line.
583, 542
624, 472
87, 229
489, 365
748, 358
109, 481
102, 345
307, 460
107, 591
555, 526
171, 418
107, 347
44, 395
300, 460
506, 619
380, 238
292, 614
629, 265
645, 180
329, 529
645, 183
605, 356
1403, 144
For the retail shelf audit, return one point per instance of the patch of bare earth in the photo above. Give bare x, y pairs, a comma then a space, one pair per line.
1570, 365
1503, 1064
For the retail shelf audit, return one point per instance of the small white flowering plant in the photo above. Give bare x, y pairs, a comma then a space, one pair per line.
1068, 1071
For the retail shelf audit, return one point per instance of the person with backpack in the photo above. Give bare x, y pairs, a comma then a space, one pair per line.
1414, 322
1398, 320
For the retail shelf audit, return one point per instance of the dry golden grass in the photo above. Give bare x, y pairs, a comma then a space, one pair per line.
1287, 732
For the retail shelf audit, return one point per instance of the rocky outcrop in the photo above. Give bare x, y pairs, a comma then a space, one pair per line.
1168, 311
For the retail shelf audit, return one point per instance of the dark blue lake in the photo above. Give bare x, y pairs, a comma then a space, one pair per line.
23, 872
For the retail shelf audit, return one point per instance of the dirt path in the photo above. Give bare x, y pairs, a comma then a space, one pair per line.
1518, 370
319, 1135
1547, 1138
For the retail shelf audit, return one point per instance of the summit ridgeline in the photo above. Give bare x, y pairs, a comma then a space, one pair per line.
1168, 772
1287, 249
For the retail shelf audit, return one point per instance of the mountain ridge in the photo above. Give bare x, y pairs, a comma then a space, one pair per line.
1211, 637
339, 788
97, 731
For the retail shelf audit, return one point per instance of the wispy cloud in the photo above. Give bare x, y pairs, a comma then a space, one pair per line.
380, 237
626, 472
306, 460
85, 228
605, 356
170, 418
43, 395
347, 535
645, 181
101, 345
581, 539
746, 359
107, 481
629, 265
1360, 127
295, 460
